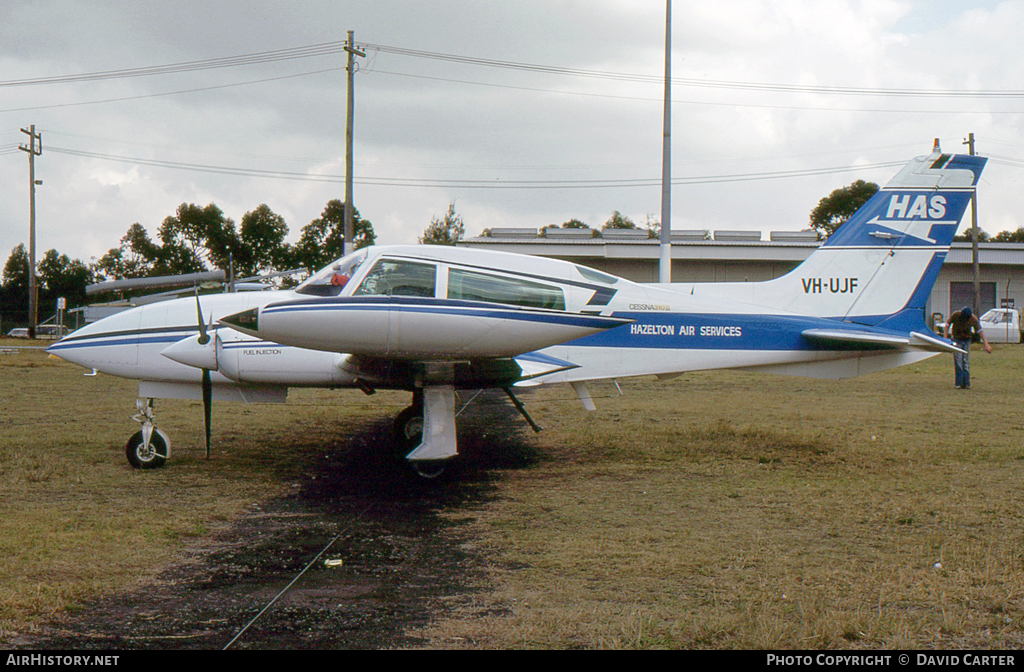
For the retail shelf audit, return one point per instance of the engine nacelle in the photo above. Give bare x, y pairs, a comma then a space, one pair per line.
416, 328
246, 361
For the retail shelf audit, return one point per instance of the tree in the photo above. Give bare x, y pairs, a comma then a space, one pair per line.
619, 221
983, 237
194, 236
134, 258
448, 230
60, 276
652, 225
571, 224
322, 240
16, 269
14, 292
223, 244
833, 210
262, 248
1003, 236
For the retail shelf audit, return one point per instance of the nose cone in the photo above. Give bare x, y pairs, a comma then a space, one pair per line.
110, 345
246, 321
68, 353
191, 352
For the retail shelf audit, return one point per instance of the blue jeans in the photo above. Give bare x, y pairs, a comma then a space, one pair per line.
962, 363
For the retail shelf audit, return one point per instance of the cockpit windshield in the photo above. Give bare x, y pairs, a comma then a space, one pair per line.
332, 279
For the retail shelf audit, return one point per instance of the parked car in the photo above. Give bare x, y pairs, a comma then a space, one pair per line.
1001, 325
49, 332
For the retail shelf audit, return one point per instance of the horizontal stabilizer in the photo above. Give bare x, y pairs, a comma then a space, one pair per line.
850, 339
930, 342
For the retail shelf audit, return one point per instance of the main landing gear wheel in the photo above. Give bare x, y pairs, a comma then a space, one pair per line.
153, 456
408, 430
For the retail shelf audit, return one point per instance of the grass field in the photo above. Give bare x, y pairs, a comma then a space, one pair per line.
717, 510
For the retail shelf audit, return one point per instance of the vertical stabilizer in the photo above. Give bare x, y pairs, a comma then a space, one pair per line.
884, 260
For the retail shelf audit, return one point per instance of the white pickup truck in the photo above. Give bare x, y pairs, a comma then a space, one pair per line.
1001, 325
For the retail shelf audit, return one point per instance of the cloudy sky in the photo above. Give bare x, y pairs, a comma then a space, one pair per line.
552, 109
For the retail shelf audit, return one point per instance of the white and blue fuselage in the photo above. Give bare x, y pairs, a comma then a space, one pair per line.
433, 319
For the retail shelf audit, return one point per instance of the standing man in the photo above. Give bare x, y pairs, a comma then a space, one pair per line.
961, 328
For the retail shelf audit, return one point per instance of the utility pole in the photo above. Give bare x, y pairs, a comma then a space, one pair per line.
665, 261
34, 149
974, 235
350, 47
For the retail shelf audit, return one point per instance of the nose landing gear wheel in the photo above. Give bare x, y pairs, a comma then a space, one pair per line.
152, 457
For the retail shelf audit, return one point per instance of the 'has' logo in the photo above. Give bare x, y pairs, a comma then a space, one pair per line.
909, 206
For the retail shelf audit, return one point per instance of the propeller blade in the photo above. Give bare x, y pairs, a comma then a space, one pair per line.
204, 338
207, 407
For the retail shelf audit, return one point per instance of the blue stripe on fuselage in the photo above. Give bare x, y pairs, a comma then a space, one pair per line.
445, 306
141, 337
692, 331
650, 330
104, 340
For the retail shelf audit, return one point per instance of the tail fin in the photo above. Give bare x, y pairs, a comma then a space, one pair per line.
881, 264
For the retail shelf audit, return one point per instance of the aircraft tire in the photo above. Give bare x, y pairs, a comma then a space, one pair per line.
429, 469
155, 457
408, 429
408, 435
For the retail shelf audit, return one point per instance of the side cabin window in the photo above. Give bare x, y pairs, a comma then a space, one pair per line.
514, 291
397, 277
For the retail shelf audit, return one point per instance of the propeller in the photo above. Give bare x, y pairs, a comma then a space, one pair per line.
207, 384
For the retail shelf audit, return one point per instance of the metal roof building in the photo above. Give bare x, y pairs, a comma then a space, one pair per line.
743, 256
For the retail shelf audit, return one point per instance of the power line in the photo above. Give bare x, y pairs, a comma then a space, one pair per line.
338, 47
1006, 160
477, 184
590, 94
292, 53
689, 81
172, 93
315, 160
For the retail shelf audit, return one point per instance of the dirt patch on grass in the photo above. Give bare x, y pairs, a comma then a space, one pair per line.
395, 556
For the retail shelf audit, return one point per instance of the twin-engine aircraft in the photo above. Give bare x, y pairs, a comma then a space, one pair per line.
433, 320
